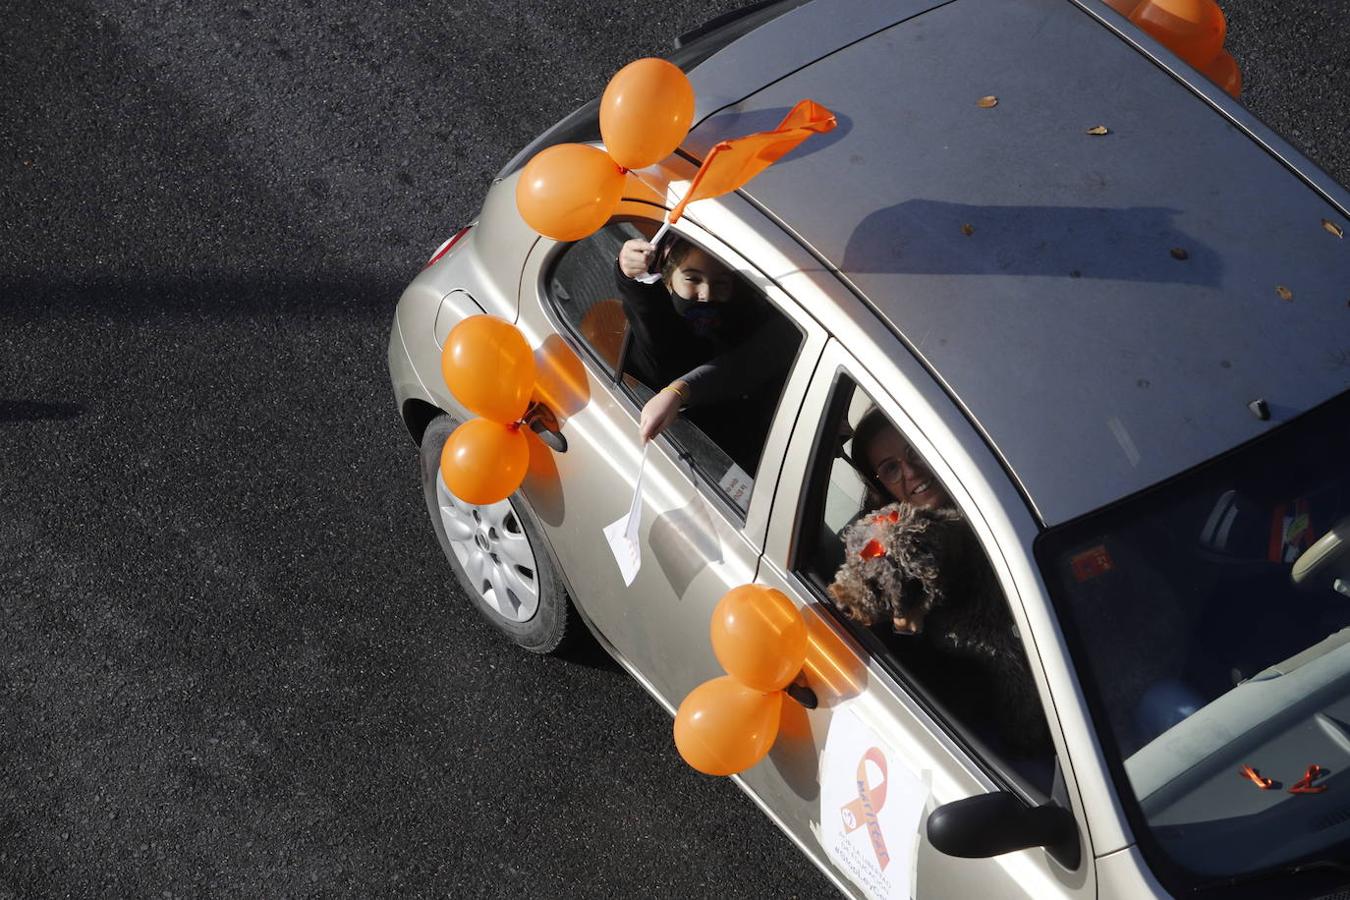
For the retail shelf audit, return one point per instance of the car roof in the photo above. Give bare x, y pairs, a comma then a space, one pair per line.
1104, 307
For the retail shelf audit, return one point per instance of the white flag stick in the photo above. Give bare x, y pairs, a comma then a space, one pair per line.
660, 233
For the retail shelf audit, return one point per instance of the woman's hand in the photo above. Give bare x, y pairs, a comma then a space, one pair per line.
635, 257
658, 413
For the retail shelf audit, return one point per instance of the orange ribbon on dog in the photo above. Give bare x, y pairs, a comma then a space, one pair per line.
1256, 777
874, 548
863, 811
1305, 784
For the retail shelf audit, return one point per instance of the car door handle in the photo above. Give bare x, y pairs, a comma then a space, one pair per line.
544, 423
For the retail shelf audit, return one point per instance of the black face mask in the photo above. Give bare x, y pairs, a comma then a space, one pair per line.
707, 320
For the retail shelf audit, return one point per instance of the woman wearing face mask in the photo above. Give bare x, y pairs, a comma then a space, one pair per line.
702, 344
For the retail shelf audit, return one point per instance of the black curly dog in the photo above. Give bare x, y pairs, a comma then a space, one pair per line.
906, 564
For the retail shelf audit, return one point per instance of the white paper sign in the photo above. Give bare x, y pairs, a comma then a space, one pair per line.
737, 484
622, 535
870, 808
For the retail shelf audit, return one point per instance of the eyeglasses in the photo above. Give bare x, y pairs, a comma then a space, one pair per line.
891, 471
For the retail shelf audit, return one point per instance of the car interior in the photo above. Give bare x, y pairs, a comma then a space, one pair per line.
1197, 598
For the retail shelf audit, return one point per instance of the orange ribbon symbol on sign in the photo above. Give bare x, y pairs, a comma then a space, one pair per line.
863, 811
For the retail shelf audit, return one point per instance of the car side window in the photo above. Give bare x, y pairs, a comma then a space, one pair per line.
890, 554
744, 356
581, 289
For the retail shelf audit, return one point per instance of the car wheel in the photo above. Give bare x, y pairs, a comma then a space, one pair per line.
498, 554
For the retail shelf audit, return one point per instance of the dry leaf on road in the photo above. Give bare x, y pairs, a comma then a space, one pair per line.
1284, 292
1333, 228
967, 229
987, 102
1099, 129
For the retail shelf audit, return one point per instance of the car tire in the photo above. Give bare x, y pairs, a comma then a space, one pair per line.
499, 556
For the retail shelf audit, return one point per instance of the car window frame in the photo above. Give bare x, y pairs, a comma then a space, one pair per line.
974, 753
751, 520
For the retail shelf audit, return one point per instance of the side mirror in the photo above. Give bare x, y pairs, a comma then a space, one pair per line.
997, 823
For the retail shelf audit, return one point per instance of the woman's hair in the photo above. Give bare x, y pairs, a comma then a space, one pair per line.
869, 427
669, 255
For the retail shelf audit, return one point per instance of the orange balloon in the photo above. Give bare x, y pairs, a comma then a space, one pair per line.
1192, 29
759, 637
724, 727
1223, 70
645, 112
484, 461
489, 367
568, 191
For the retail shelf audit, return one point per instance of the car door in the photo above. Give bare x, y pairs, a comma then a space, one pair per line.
866, 695
699, 534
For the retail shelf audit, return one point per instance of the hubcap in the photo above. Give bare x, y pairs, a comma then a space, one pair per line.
492, 549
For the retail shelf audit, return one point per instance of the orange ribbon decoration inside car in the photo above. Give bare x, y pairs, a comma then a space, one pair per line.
1257, 778
1305, 784
863, 811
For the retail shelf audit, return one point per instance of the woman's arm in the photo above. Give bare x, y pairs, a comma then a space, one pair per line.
763, 358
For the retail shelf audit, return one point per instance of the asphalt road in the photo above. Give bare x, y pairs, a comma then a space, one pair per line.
230, 658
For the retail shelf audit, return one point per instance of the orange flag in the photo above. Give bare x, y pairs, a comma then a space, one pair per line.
733, 163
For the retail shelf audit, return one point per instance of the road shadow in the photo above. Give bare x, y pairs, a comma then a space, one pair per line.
147, 300
583, 649
12, 411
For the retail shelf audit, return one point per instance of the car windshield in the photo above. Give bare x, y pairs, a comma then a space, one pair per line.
1209, 620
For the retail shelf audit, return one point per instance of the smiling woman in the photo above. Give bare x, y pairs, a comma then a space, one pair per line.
897, 557
894, 468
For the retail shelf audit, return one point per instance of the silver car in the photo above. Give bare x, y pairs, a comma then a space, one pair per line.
1105, 308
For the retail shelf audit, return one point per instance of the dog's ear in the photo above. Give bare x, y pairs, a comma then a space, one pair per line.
839, 594
855, 594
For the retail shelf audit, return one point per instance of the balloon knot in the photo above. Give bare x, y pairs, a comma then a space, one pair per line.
515, 426
622, 170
